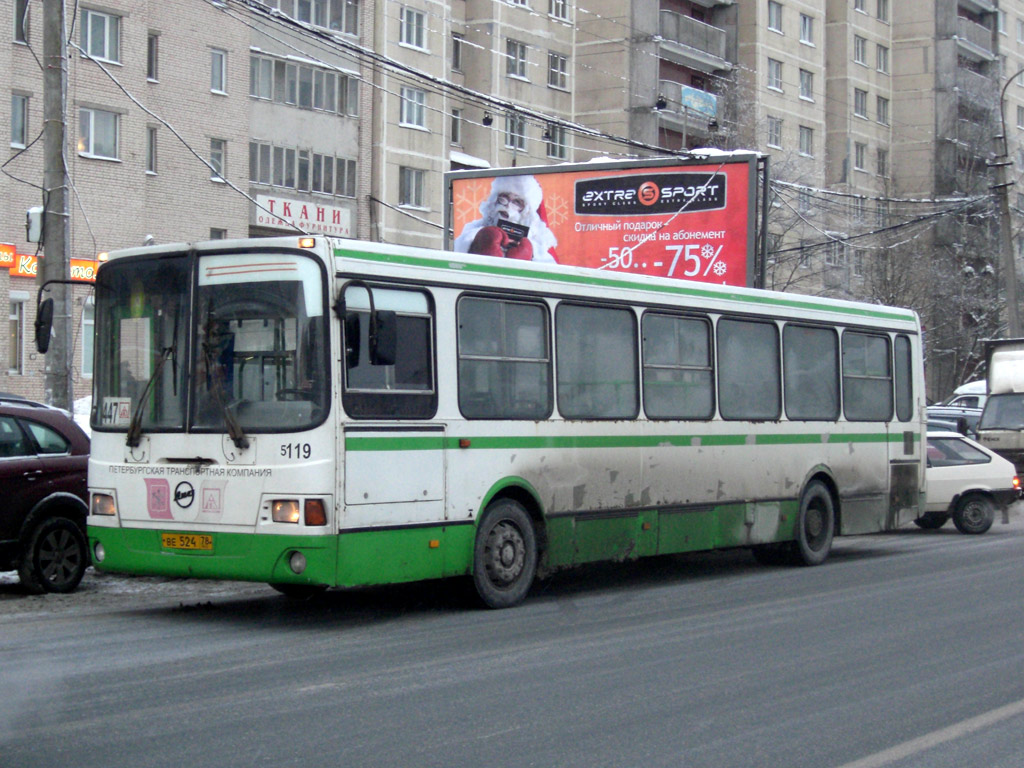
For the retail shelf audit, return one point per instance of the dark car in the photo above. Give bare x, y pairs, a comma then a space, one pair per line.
44, 458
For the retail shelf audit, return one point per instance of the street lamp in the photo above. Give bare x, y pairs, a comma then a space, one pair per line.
1008, 261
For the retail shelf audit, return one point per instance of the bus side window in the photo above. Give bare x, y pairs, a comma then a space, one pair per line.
678, 379
867, 377
810, 362
749, 381
904, 380
596, 362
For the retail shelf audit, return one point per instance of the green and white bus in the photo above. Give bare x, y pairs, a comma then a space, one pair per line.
315, 413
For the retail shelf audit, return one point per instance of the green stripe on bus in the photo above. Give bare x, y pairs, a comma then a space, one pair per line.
685, 289
524, 442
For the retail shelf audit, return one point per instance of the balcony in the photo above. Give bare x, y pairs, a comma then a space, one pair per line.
692, 43
978, 91
687, 110
974, 40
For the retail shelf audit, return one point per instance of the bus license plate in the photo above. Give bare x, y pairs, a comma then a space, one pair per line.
200, 541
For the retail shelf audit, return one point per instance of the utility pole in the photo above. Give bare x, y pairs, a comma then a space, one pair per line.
54, 265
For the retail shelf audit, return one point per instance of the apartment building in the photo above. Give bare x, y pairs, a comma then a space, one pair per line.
195, 119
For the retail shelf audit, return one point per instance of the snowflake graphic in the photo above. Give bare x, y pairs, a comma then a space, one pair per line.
467, 199
557, 208
720, 268
707, 251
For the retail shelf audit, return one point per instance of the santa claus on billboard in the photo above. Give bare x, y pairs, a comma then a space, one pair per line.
513, 223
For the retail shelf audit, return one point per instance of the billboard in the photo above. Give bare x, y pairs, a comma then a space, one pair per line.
685, 219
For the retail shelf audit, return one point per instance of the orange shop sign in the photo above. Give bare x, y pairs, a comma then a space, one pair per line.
24, 265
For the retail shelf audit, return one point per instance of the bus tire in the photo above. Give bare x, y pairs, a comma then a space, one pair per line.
815, 525
504, 555
974, 513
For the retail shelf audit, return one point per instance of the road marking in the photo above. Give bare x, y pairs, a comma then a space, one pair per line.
941, 736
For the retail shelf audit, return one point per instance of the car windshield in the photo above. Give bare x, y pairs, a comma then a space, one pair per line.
1004, 412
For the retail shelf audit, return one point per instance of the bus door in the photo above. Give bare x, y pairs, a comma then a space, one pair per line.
394, 475
394, 455
906, 442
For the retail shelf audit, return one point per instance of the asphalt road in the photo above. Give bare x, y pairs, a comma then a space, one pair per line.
902, 650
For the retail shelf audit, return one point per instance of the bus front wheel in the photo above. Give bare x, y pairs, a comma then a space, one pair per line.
504, 555
815, 525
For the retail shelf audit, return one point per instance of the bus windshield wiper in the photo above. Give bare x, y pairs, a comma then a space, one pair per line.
134, 435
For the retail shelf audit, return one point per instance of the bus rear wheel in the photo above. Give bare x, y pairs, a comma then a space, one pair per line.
504, 555
815, 525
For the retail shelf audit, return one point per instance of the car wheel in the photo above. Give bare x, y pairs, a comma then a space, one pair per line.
56, 557
505, 555
974, 513
931, 520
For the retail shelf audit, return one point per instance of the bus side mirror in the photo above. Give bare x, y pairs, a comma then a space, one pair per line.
384, 338
44, 325
351, 340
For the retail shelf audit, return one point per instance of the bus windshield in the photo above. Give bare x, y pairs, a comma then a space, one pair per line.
257, 358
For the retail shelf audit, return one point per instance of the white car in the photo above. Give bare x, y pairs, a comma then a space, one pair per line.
966, 481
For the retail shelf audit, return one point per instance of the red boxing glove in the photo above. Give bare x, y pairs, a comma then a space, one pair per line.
490, 241
521, 250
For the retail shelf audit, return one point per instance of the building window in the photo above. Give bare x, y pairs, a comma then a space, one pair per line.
457, 43
559, 9
348, 91
218, 233
775, 74
413, 112
410, 187
522, 3
1020, 117
345, 16
153, 57
774, 16
16, 338
774, 131
835, 251
883, 162
98, 133
101, 35
806, 141
515, 59
860, 102
883, 110
19, 120
558, 71
456, 127
21, 21
806, 85
882, 59
883, 10
806, 29
860, 156
218, 70
218, 159
803, 196
859, 5
151, 149
88, 335
555, 136
413, 29
515, 131
860, 49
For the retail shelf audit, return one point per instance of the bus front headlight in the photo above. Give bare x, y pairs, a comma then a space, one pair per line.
102, 504
285, 510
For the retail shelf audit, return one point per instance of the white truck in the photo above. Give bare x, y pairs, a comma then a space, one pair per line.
1002, 422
